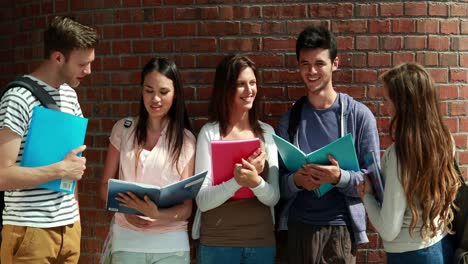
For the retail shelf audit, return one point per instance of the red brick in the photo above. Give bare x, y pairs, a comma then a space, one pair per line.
464, 124
209, 61
343, 75
282, 12
240, 44
274, 92
379, 59
458, 108
187, 13
439, 75
460, 43
271, 108
353, 59
347, 26
195, 44
163, 13
163, 45
209, 12
197, 108
391, 43
415, 42
142, 46
449, 27
452, 124
367, 43
448, 92
249, 28
180, 29
436, 9
273, 28
121, 47
428, 26
415, 9
239, 12
438, 43
404, 26
296, 27
448, 59
358, 92
267, 60
366, 10
461, 141
375, 256
331, 10
131, 31
393, 10
365, 76
151, 30
459, 10
375, 92
464, 27
464, 60
379, 26
428, 58
459, 75
345, 43
402, 57
219, 28
151, 2
279, 43
281, 76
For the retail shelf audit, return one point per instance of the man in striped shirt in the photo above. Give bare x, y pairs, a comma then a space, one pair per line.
43, 226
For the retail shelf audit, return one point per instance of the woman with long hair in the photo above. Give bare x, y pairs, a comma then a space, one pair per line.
237, 230
420, 178
156, 148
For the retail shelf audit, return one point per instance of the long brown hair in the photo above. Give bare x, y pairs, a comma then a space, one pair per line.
224, 89
177, 115
424, 148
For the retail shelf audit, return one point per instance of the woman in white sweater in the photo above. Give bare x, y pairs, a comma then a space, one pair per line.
237, 230
418, 168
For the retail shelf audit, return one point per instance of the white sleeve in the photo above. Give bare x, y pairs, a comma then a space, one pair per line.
210, 196
268, 192
388, 219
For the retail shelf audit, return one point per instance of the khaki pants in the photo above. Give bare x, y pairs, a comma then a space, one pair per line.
28, 245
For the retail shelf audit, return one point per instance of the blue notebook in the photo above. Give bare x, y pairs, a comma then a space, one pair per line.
163, 197
341, 149
51, 136
375, 176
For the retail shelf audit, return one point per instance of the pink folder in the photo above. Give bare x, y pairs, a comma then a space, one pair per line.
225, 154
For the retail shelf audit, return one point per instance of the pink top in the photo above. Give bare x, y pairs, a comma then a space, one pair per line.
156, 169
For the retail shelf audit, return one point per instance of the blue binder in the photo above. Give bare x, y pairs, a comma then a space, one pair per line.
51, 136
341, 149
164, 197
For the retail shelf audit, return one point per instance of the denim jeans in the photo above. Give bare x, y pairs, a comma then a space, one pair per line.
235, 255
439, 253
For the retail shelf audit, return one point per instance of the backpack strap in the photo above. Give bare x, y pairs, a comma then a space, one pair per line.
127, 124
295, 117
36, 89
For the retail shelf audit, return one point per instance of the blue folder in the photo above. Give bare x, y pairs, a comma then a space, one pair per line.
163, 197
51, 136
341, 149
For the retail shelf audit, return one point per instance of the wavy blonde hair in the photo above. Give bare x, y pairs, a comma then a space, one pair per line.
424, 148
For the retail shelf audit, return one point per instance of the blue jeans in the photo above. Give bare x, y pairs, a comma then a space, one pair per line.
235, 255
439, 253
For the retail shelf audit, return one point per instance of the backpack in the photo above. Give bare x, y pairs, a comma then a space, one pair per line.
460, 222
46, 100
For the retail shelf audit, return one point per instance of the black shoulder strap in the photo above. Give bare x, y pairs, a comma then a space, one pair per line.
36, 89
295, 117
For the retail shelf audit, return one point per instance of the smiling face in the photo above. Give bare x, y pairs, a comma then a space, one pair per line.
76, 66
158, 95
316, 69
246, 90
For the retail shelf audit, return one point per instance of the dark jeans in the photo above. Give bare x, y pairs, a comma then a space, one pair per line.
320, 244
235, 255
439, 253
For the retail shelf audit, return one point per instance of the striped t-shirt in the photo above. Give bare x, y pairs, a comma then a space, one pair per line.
36, 207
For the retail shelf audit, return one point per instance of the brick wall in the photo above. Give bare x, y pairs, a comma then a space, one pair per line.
372, 36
